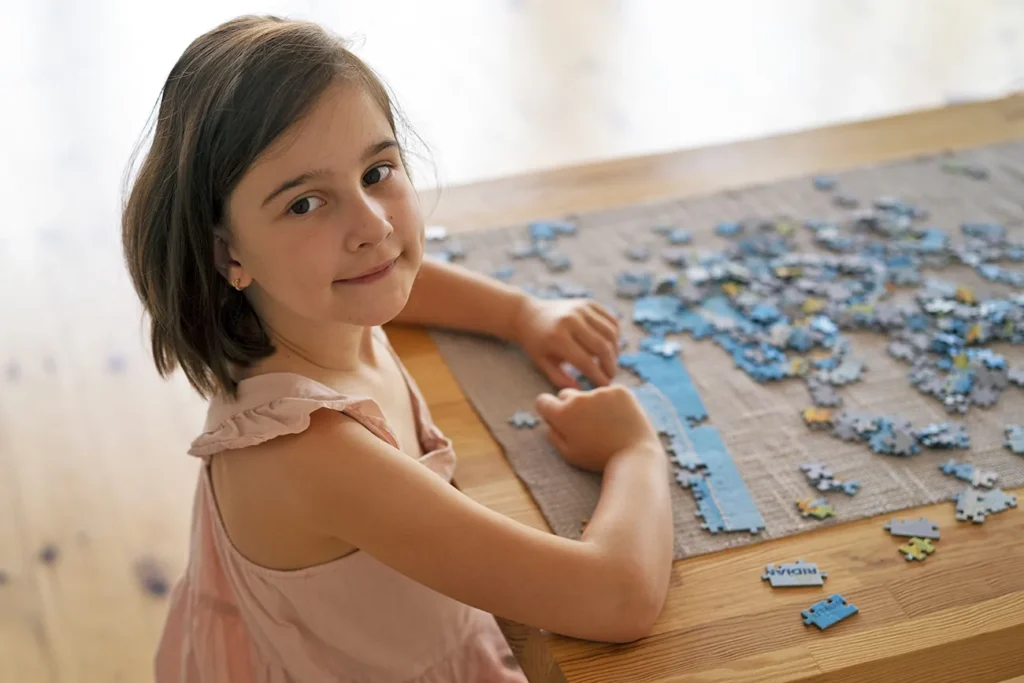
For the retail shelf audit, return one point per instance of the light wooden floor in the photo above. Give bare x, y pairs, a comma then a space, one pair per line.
92, 443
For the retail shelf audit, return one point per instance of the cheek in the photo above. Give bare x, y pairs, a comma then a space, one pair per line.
407, 221
296, 265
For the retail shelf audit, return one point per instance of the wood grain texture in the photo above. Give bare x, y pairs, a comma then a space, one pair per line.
957, 617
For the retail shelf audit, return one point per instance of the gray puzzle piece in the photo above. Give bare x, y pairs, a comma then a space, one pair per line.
970, 505
797, 573
816, 471
523, 419
969, 473
998, 500
919, 528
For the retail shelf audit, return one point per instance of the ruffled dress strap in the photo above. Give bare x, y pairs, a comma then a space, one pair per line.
277, 404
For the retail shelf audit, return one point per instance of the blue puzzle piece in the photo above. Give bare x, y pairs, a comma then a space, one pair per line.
706, 508
722, 498
728, 492
659, 310
828, 612
824, 183
671, 378
541, 230
719, 307
660, 346
765, 314
664, 418
693, 322
728, 229
679, 237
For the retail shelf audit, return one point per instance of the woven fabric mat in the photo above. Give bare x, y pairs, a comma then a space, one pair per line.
760, 424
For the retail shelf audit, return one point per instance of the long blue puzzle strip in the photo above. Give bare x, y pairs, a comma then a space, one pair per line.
722, 498
665, 419
727, 491
671, 379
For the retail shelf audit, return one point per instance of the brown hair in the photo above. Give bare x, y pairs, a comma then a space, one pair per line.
230, 95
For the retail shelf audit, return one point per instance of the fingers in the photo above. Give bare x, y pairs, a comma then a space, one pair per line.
546, 405
558, 441
559, 377
583, 358
598, 346
608, 330
594, 344
606, 315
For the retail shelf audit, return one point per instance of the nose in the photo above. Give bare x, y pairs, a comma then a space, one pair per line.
371, 224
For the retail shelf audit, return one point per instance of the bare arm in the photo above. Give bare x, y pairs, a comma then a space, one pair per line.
447, 295
609, 586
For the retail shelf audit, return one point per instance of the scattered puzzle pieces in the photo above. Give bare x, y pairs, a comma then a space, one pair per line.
821, 477
943, 435
828, 612
920, 528
917, 549
797, 573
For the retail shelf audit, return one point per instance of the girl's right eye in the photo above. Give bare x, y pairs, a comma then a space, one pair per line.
305, 205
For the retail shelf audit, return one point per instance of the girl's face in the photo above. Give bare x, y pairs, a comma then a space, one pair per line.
326, 224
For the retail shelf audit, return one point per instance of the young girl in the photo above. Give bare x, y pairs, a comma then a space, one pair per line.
270, 232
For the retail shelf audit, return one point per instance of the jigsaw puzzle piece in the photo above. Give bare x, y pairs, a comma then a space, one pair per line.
524, 419
731, 495
671, 379
815, 507
970, 505
998, 500
969, 473
920, 528
917, 549
706, 507
665, 419
828, 612
797, 573
1015, 439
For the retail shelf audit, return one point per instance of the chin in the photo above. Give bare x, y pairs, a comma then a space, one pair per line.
376, 308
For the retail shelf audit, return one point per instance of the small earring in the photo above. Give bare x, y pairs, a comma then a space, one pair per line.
237, 283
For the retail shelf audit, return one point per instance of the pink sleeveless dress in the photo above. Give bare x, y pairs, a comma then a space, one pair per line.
351, 619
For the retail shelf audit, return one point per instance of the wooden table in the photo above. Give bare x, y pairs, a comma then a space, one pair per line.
958, 617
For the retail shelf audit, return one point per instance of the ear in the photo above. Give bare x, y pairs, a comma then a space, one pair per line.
223, 256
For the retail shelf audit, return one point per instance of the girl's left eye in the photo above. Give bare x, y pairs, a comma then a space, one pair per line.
378, 174
305, 205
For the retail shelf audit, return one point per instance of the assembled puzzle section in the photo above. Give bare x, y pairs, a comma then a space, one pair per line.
722, 499
893, 328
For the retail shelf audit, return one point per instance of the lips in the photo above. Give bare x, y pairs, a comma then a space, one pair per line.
372, 272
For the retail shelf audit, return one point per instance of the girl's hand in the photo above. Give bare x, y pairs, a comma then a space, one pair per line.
580, 332
590, 427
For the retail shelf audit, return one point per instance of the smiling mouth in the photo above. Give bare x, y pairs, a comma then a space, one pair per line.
371, 275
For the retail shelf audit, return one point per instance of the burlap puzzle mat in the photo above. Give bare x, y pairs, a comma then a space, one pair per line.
760, 424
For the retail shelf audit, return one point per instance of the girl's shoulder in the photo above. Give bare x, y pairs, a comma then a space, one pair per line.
276, 404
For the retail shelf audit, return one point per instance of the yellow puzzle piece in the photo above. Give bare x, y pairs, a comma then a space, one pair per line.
917, 549
815, 507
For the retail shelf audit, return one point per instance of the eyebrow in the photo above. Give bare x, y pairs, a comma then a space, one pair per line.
371, 151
